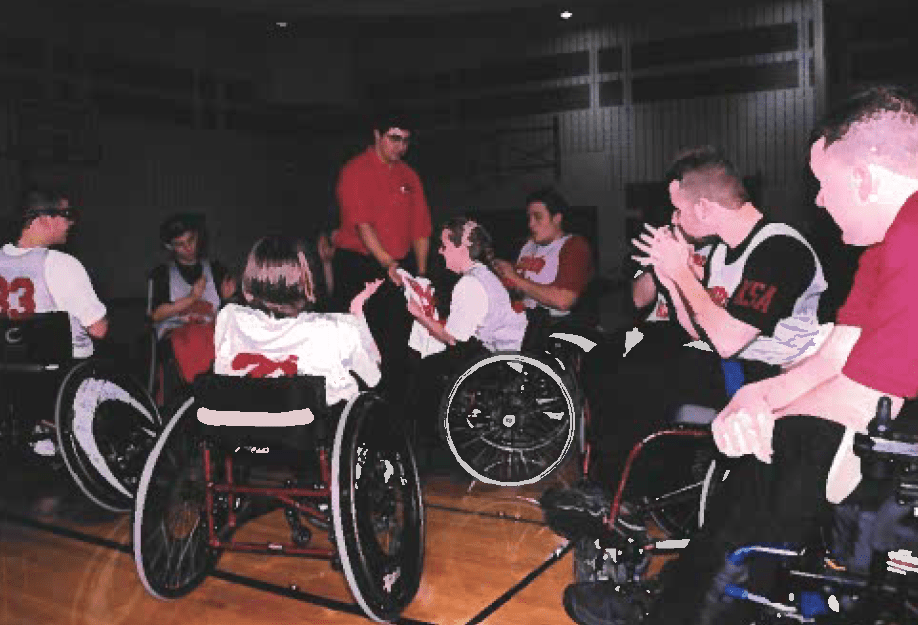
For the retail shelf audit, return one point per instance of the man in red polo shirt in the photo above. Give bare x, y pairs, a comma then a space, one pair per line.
384, 218
793, 433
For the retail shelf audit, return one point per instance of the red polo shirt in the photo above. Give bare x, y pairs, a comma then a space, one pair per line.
389, 197
884, 303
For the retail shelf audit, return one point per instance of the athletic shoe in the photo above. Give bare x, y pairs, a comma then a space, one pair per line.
605, 603
582, 510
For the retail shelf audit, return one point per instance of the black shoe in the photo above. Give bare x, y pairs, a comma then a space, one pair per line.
605, 603
582, 510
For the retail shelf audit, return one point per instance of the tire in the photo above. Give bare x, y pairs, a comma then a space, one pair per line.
377, 509
509, 419
171, 549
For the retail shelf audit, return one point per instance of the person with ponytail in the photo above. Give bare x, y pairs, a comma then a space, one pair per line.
277, 333
480, 309
481, 318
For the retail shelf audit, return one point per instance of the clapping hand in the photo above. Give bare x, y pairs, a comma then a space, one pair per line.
665, 249
361, 298
197, 290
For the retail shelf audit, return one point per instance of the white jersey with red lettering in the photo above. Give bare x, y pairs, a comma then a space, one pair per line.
539, 263
26, 288
253, 343
795, 336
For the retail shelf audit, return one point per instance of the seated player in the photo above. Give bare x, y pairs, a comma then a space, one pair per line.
794, 432
276, 333
184, 297
758, 303
35, 279
554, 267
481, 317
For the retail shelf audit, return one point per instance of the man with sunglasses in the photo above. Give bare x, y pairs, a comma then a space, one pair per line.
385, 224
36, 279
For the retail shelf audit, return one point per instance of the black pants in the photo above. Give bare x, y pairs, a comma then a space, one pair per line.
635, 396
781, 502
385, 312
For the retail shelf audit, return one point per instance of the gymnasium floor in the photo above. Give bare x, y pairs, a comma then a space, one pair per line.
489, 559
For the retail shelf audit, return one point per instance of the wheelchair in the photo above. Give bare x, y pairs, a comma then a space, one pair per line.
873, 581
103, 422
356, 475
511, 418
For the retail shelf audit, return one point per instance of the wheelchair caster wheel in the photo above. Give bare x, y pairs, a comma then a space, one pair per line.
301, 537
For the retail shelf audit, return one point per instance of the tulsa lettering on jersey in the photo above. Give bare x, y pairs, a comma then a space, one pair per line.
755, 295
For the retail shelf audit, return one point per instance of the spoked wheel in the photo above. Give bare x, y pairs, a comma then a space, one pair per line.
171, 547
106, 425
509, 419
377, 510
681, 512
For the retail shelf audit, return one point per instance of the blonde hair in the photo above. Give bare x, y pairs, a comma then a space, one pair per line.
277, 277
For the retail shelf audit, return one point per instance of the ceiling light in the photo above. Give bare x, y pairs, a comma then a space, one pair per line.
566, 15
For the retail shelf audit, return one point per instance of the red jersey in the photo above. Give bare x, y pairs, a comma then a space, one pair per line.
389, 197
884, 303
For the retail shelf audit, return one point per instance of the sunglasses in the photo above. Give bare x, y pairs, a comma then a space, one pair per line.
70, 214
395, 138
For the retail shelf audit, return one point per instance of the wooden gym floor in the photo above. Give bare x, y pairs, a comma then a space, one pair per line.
490, 559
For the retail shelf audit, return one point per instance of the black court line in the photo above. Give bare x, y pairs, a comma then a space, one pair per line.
226, 576
504, 598
491, 515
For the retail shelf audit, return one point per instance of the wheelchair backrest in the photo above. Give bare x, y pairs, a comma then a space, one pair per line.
236, 394
40, 340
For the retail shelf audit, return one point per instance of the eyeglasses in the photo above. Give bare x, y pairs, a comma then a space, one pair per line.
396, 138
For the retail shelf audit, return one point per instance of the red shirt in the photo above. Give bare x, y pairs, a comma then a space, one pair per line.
388, 197
884, 303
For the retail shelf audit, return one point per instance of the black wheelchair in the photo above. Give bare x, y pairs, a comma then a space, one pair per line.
102, 422
511, 418
860, 573
352, 472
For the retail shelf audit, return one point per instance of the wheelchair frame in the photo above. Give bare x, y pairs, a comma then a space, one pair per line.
382, 583
890, 456
41, 345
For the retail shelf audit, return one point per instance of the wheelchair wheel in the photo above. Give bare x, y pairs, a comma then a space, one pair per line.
377, 510
509, 419
171, 549
106, 425
683, 510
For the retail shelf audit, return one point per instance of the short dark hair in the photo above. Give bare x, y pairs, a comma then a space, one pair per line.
386, 118
551, 198
178, 224
37, 201
706, 172
882, 123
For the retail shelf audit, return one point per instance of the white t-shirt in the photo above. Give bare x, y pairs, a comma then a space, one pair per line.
467, 309
71, 289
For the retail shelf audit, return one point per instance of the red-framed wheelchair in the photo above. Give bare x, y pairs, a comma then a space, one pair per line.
353, 471
101, 421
